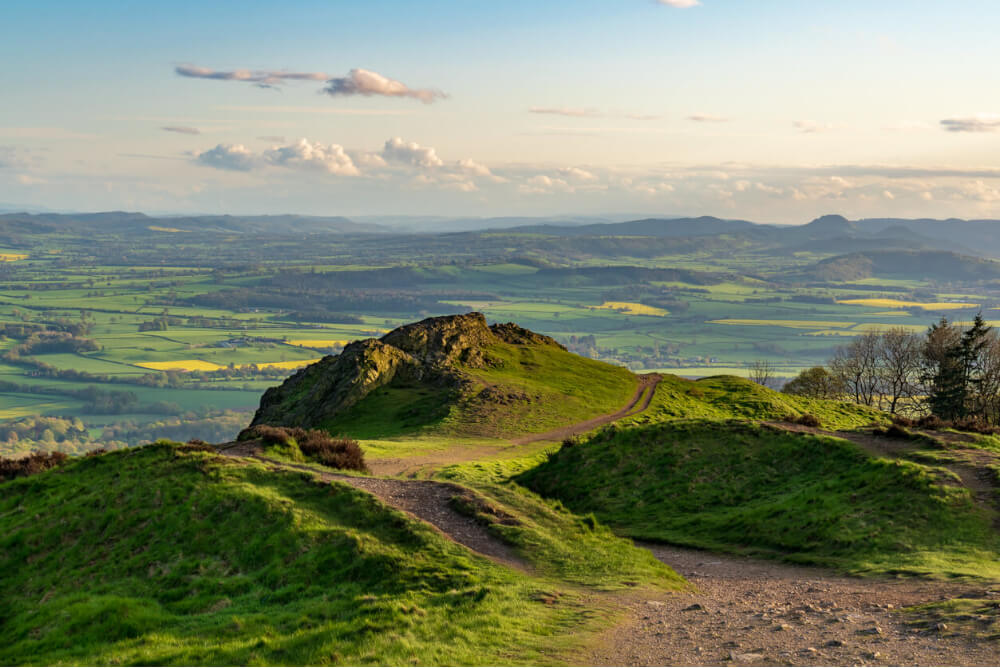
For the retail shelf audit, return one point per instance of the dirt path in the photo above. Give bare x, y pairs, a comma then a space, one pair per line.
643, 396
425, 500
753, 612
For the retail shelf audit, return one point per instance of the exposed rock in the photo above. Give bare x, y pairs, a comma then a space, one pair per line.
431, 352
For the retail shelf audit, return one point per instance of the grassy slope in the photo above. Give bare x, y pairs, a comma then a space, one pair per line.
564, 388
745, 488
161, 555
728, 397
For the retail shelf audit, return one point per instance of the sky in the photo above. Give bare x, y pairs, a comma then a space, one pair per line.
770, 110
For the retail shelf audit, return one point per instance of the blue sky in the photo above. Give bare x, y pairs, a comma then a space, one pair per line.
774, 110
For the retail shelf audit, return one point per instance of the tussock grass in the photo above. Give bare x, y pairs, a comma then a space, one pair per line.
730, 397
743, 488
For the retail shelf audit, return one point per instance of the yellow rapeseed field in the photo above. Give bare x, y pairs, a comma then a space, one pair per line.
11, 257
202, 365
294, 364
896, 303
632, 308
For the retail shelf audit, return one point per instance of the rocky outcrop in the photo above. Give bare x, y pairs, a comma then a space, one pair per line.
432, 352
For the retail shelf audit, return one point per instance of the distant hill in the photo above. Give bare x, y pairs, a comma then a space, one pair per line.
449, 375
650, 227
133, 223
932, 265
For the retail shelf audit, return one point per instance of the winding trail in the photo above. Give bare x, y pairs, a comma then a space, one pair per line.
425, 500
644, 393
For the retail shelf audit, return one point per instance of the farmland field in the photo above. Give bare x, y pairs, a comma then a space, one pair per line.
191, 332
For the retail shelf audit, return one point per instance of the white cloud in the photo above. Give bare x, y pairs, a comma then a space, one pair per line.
577, 174
235, 157
679, 4
977, 123
366, 158
410, 153
474, 168
368, 83
312, 155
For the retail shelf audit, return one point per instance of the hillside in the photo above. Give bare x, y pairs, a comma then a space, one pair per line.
919, 265
747, 488
171, 554
450, 375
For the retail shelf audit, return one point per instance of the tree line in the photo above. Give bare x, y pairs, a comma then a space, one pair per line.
950, 371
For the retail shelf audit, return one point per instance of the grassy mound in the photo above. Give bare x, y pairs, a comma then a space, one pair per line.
169, 555
525, 389
744, 488
451, 375
729, 397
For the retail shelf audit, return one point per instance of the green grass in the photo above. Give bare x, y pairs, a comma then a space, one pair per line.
557, 542
562, 388
550, 388
164, 556
728, 397
743, 488
968, 617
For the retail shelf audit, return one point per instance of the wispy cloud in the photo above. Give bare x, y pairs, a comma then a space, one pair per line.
679, 4
181, 129
266, 78
707, 118
977, 123
357, 82
565, 111
368, 83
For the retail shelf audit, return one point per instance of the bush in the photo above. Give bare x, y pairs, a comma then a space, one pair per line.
34, 463
806, 420
338, 453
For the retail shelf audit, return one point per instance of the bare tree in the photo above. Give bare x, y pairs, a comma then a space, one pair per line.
856, 368
762, 372
898, 367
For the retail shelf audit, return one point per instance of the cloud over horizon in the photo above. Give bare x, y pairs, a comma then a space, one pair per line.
679, 4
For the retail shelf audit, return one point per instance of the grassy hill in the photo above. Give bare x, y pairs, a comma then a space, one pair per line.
730, 397
169, 554
451, 375
741, 487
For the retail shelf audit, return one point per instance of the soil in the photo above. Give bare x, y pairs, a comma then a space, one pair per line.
753, 612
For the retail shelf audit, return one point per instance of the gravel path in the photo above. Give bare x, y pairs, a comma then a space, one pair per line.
753, 612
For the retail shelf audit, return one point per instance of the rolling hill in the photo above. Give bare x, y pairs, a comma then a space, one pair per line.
450, 375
